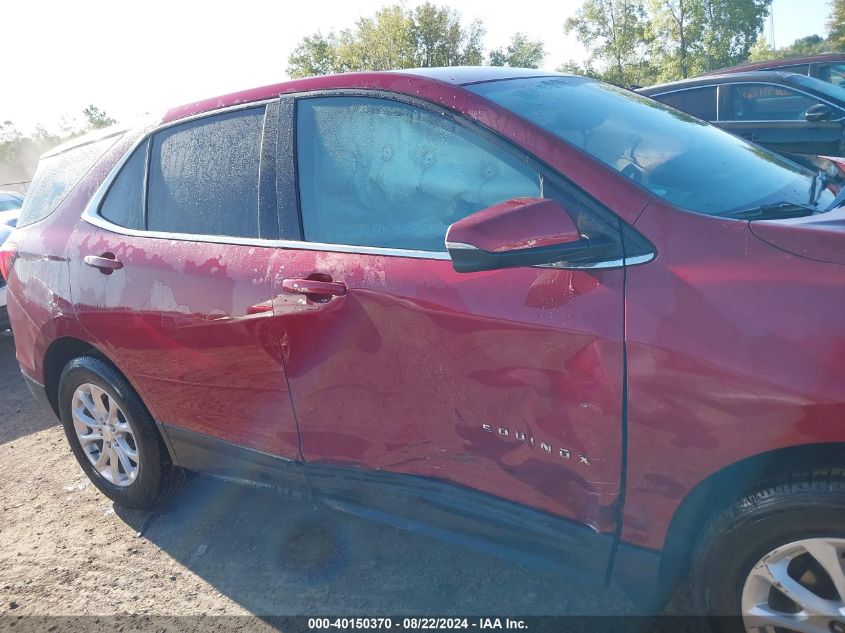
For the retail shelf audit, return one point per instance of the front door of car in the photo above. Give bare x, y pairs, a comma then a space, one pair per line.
170, 277
775, 116
506, 381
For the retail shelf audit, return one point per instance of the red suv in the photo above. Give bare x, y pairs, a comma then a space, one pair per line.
530, 312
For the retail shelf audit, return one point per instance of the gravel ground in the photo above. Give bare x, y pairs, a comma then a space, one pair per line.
218, 549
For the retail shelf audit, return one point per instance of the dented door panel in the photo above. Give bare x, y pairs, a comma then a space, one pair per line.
508, 382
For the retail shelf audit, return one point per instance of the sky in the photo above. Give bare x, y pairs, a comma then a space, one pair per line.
130, 58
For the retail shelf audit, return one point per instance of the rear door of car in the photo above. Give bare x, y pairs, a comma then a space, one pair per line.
774, 115
507, 381
169, 274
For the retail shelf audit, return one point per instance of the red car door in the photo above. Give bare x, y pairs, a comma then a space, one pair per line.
171, 279
507, 381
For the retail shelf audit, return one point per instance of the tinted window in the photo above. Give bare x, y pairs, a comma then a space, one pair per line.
683, 160
835, 93
204, 176
835, 74
56, 176
699, 102
764, 102
10, 204
124, 203
380, 173
801, 69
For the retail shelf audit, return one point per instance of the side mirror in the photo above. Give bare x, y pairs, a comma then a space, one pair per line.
818, 112
518, 232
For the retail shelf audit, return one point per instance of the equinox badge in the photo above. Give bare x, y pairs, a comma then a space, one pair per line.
520, 436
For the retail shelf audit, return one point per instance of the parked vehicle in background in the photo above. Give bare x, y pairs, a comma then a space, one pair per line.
791, 114
829, 67
604, 339
10, 205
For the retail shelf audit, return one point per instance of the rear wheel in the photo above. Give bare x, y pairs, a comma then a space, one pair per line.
4, 319
774, 561
112, 436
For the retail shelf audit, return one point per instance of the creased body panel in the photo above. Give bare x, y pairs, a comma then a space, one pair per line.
508, 382
190, 323
735, 348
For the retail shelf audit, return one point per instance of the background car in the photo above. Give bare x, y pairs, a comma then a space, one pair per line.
788, 113
828, 67
10, 206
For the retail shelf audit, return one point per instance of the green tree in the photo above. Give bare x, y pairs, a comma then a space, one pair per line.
394, 37
314, 55
96, 118
676, 26
836, 25
761, 51
729, 30
614, 32
441, 40
694, 36
382, 42
522, 52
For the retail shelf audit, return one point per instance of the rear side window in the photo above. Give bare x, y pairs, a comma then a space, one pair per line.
204, 176
124, 203
57, 175
699, 102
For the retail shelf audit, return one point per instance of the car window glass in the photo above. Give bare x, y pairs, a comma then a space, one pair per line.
9, 205
380, 173
833, 73
204, 176
55, 177
800, 69
765, 102
680, 159
699, 102
124, 202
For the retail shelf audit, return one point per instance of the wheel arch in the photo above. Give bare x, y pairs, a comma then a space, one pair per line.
59, 353
726, 486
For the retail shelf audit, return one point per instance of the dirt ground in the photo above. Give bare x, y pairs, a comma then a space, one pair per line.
218, 549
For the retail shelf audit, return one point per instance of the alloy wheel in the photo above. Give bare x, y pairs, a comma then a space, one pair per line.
797, 587
105, 435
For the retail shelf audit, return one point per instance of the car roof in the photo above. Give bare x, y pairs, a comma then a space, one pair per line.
397, 80
769, 75
776, 63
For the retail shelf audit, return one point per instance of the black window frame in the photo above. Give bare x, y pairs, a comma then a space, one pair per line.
268, 219
630, 243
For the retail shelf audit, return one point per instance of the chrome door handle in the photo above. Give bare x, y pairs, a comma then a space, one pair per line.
105, 264
314, 287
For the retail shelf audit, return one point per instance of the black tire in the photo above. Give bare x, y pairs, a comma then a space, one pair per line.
157, 476
799, 506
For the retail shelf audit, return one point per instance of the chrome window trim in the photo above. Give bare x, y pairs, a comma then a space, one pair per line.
102, 223
764, 83
608, 263
91, 214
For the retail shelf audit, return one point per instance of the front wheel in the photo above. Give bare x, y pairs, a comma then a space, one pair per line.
113, 436
774, 562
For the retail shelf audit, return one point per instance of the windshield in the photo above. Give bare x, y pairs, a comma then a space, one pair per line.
676, 157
